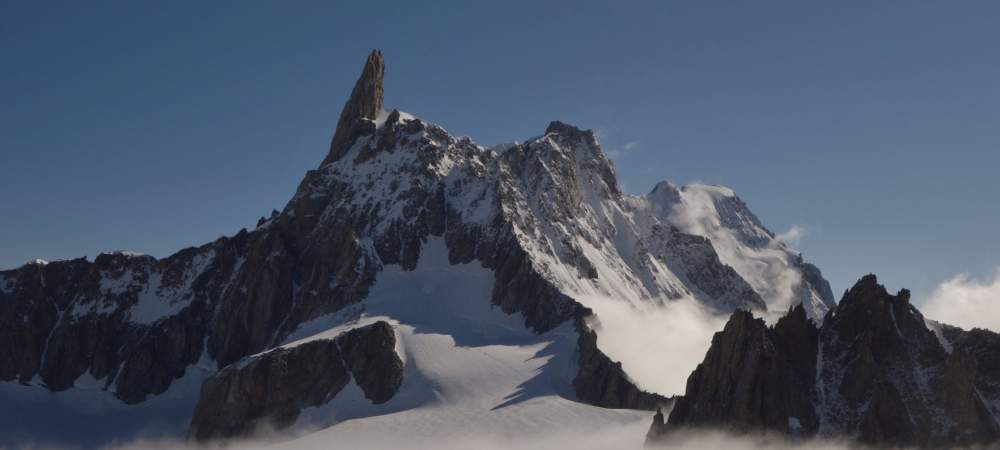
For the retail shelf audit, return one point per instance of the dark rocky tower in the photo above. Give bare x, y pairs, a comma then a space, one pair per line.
365, 103
873, 372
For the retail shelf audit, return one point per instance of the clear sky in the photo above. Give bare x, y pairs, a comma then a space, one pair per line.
155, 126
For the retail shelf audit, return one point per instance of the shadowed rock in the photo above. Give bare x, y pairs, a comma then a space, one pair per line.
753, 376
365, 103
873, 371
270, 390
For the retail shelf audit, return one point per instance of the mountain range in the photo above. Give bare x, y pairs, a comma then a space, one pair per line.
421, 283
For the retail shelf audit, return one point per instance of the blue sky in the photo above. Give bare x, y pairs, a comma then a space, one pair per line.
873, 125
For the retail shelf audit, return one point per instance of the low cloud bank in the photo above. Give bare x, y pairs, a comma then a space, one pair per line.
622, 438
658, 345
966, 302
713, 440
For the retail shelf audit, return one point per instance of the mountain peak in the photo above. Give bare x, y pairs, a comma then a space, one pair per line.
365, 103
539, 229
570, 131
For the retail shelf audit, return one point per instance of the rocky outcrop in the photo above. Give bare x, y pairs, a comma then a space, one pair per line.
753, 377
365, 102
694, 258
813, 280
136, 323
131, 321
270, 390
980, 349
873, 371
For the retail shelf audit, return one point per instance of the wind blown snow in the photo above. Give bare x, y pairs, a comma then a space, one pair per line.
763, 261
966, 302
793, 236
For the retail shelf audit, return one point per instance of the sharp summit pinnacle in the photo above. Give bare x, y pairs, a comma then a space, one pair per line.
365, 103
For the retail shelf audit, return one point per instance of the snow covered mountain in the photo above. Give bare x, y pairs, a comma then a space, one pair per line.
415, 279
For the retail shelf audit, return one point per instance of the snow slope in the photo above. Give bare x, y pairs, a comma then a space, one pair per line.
471, 371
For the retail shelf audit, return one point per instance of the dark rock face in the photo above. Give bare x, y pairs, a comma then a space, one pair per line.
873, 371
878, 352
812, 277
753, 377
365, 102
597, 162
138, 323
70, 318
370, 354
29, 310
694, 258
979, 349
271, 389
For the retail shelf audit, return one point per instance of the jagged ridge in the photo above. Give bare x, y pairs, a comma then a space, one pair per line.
873, 370
547, 216
271, 389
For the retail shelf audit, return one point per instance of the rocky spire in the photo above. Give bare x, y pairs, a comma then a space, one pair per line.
365, 103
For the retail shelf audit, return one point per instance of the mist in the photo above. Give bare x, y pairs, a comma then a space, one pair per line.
792, 236
630, 437
768, 269
966, 302
658, 345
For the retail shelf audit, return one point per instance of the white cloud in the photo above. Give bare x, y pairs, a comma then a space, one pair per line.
624, 438
767, 269
617, 153
966, 302
793, 236
658, 346
629, 437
